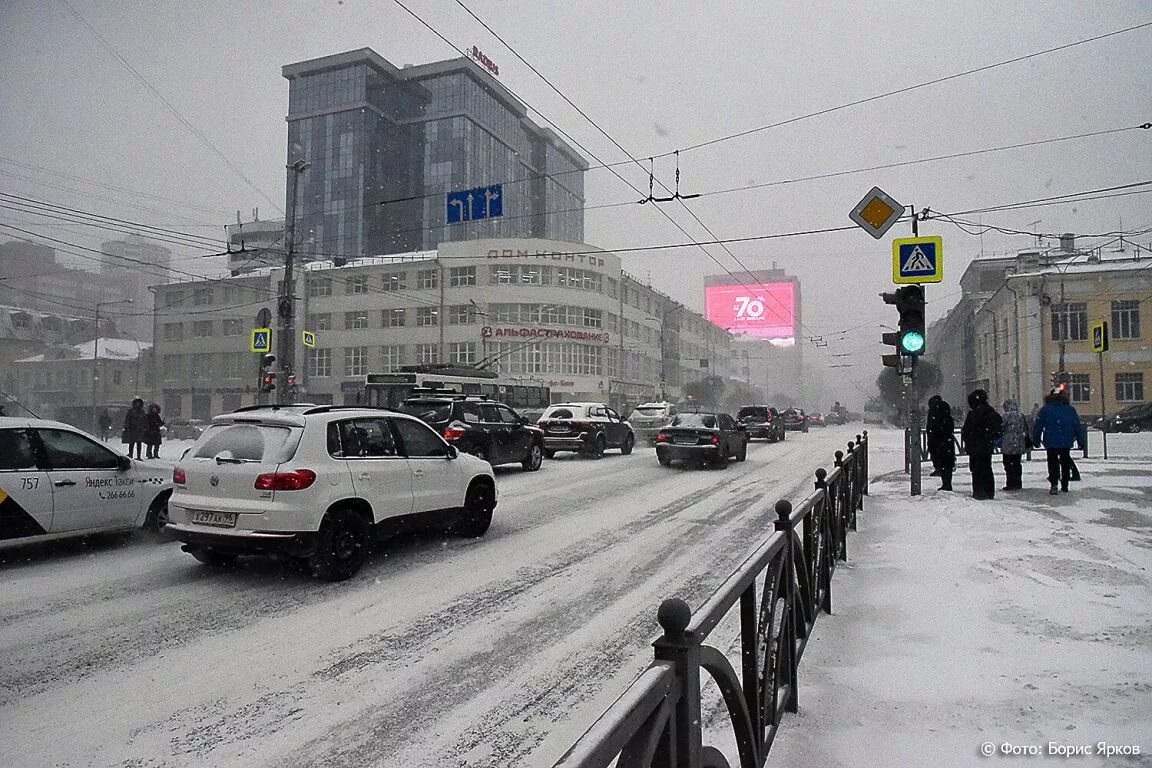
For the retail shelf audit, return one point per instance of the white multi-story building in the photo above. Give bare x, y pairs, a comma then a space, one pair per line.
562, 314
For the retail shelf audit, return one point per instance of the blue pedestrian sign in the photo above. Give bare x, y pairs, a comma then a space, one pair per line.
917, 260
475, 204
261, 339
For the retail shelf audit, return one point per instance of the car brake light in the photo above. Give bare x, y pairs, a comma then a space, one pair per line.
296, 480
178, 476
715, 439
453, 433
661, 438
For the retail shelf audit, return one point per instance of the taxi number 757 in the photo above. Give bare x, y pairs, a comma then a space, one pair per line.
29, 483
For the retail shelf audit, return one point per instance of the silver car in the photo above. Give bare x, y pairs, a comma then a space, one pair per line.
647, 419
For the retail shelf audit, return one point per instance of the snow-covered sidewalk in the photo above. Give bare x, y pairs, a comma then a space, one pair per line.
1020, 626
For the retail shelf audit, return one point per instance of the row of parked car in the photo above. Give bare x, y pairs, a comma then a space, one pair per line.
320, 482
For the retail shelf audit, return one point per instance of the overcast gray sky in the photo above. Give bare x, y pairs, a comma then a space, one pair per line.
657, 76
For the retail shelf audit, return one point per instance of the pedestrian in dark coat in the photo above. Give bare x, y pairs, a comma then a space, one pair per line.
941, 446
105, 423
1014, 440
981, 428
135, 427
152, 436
1058, 428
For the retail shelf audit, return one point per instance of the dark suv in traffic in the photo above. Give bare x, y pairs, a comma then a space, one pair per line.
761, 421
484, 428
795, 419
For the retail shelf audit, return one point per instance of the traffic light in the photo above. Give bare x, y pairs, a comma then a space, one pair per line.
910, 305
267, 373
892, 340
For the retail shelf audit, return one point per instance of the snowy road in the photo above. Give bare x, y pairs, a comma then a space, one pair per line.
494, 652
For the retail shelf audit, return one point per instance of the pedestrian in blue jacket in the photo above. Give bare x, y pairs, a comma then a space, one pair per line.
1058, 428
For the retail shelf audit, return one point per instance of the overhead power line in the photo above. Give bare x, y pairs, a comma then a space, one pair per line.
171, 108
910, 88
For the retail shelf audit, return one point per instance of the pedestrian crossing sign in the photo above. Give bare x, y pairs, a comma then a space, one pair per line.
917, 260
261, 339
309, 339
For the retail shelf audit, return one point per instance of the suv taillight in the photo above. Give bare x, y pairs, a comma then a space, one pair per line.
296, 480
661, 438
453, 433
178, 476
715, 439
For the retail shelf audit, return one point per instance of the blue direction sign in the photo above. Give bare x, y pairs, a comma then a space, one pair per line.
475, 204
917, 260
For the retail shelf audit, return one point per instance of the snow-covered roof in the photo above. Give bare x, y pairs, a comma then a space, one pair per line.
109, 349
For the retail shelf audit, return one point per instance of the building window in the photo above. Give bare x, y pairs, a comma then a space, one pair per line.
395, 281
462, 352
427, 278
319, 286
395, 318
1073, 319
173, 332
426, 316
202, 296
320, 322
116, 377
173, 298
461, 314
355, 361
320, 363
461, 276
232, 327
355, 321
173, 367
392, 357
202, 329
427, 353
356, 284
1129, 387
1079, 388
1125, 320
234, 364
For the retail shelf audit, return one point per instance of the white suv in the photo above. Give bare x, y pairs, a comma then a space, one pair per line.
320, 482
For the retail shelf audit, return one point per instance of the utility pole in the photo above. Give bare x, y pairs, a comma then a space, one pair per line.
286, 308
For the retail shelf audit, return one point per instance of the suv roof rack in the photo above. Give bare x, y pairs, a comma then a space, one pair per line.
329, 408
272, 406
448, 395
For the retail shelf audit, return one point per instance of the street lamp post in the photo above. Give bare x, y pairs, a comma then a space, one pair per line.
96, 356
287, 304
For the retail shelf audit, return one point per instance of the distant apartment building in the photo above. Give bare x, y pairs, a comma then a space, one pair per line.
254, 245
385, 145
1023, 320
544, 312
129, 267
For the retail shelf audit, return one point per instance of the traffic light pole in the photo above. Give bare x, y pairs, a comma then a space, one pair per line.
1103, 412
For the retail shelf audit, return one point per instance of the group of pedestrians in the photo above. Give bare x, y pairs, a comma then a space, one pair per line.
1056, 426
142, 429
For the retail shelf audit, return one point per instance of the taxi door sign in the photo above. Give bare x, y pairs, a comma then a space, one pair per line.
309, 339
1100, 337
917, 260
261, 339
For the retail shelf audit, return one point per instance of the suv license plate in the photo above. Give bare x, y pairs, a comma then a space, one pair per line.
216, 519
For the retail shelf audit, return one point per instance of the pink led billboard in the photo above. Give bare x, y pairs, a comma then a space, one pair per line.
759, 310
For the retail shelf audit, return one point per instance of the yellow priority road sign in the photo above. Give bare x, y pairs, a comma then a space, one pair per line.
309, 339
917, 260
261, 339
876, 212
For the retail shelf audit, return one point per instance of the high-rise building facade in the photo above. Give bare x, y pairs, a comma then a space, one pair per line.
385, 145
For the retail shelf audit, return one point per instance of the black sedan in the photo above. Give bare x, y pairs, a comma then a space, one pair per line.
702, 438
1134, 418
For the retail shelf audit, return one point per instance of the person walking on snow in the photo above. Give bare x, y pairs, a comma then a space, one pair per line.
981, 428
135, 427
1013, 442
941, 447
1058, 428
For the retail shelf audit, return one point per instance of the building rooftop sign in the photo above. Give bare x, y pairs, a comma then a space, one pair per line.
487, 63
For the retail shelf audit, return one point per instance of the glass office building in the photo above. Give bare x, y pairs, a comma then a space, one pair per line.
387, 144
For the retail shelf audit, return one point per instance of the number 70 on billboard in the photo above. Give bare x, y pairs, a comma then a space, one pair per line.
759, 310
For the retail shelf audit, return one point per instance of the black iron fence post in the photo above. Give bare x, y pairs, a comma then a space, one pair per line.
788, 632
840, 491
682, 649
856, 501
863, 440
824, 519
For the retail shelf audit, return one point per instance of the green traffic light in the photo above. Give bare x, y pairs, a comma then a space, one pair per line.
912, 343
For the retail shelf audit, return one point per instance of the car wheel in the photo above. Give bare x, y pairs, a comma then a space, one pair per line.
477, 513
211, 556
1135, 428
743, 455
664, 460
549, 454
599, 445
341, 545
157, 516
534, 458
629, 444
721, 459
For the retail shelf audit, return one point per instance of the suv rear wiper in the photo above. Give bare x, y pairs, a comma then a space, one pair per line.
230, 460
